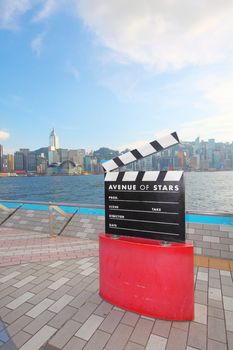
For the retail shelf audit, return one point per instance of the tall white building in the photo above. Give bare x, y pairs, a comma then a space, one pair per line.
53, 147
53, 141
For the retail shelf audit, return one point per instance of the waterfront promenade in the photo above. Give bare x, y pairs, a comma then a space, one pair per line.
49, 300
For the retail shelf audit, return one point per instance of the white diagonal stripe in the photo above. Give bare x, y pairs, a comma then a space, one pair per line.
111, 176
167, 141
130, 176
127, 158
150, 176
146, 150
173, 175
109, 165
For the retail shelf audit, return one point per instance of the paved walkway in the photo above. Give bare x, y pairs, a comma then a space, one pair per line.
19, 246
53, 305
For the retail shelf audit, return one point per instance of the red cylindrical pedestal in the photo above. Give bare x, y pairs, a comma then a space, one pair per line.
143, 276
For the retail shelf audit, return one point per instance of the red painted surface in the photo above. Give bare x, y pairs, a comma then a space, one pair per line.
143, 276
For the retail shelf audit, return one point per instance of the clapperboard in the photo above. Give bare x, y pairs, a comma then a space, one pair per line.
148, 204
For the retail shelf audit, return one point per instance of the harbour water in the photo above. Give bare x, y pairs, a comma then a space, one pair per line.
205, 191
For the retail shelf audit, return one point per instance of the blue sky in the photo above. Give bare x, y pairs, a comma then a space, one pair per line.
114, 73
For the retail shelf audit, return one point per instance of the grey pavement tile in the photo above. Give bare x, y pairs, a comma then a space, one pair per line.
20, 338
7, 291
202, 285
96, 299
89, 327
133, 346
200, 312
61, 303
215, 312
36, 324
177, 339
97, 341
142, 331
15, 314
80, 299
215, 303
214, 282
39, 308
75, 344
39, 339
120, 337
40, 296
64, 334
103, 309
228, 303
200, 297
214, 273
84, 312
227, 281
4, 311
111, 321
20, 300
22, 290
63, 316
5, 300
216, 329
197, 336
215, 293
215, 345
130, 318
230, 340
156, 342
229, 320
18, 325
77, 284
181, 325
41, 286
58, 283
49, 347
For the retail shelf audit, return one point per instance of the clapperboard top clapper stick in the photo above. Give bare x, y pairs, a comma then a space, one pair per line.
142, 152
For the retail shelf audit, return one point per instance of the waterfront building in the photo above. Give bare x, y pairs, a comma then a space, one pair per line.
42, 164
31, 161
10, 162
1, 158
19, 161
77, 156
67, 167
63, 154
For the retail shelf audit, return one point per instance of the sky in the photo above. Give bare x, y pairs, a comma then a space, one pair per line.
114, 73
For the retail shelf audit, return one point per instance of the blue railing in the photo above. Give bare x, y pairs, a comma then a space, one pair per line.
89, 209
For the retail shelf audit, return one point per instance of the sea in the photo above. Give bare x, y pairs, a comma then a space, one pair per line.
204, 191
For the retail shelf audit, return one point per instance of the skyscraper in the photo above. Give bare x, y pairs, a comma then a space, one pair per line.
53, 147
53, 141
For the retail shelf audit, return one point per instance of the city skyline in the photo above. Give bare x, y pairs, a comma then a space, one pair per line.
56, 160
114, 73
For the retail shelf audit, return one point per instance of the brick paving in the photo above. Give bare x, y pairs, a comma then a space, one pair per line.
53, 303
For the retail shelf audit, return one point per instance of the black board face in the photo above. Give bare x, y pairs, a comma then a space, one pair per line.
145, 204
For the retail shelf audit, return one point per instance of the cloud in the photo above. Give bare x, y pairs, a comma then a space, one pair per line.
48, 9
11, 10
70, 68
4, 135
37, 44
162, 35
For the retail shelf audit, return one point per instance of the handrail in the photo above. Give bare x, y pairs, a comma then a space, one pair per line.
99, 206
